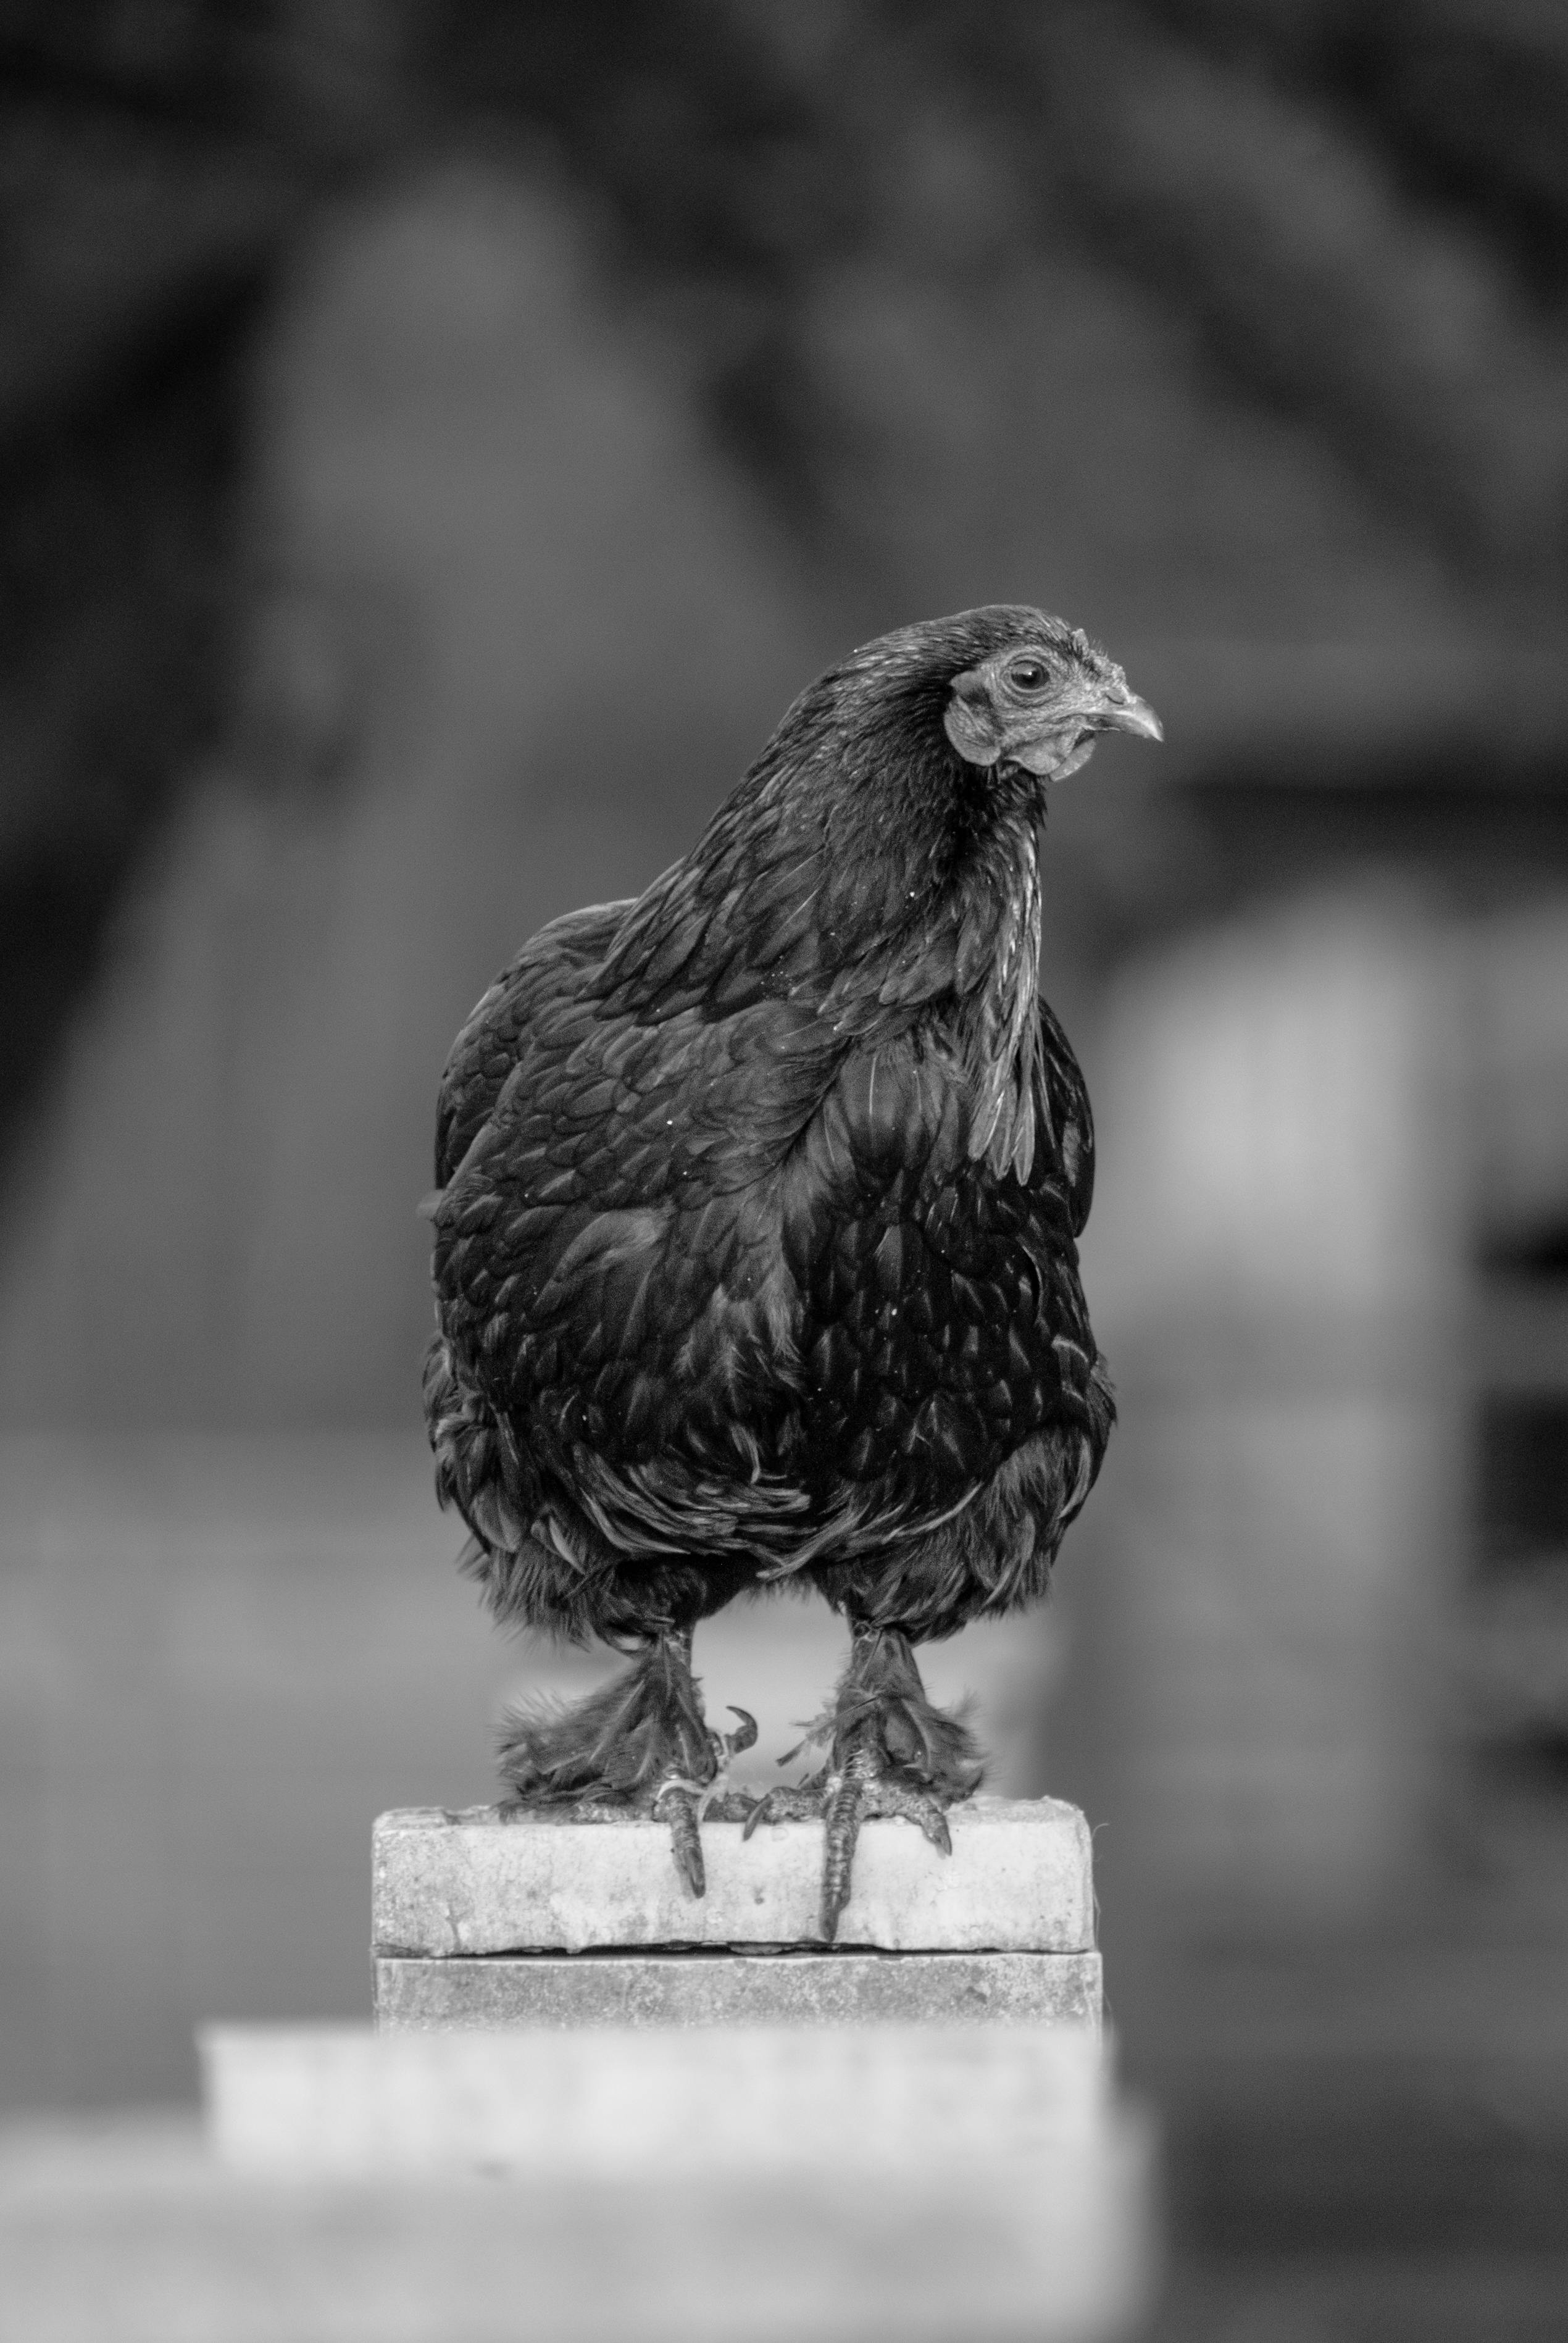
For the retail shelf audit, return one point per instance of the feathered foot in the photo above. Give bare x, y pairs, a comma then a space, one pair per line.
640, 1745
890, 1752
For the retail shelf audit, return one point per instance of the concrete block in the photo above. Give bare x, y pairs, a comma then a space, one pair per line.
704, 1988
130, 2233
1017, 1880
609, 2099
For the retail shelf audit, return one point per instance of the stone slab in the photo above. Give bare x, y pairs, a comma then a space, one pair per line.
703, 1988
758, 2099
446, 1884
122, 2232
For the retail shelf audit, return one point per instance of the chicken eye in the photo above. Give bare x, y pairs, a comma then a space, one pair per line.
1029, 675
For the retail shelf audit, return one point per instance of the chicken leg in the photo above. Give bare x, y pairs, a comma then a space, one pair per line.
890, 1752
640, 1745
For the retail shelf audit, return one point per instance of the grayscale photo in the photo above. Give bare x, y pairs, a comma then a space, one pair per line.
784, 1172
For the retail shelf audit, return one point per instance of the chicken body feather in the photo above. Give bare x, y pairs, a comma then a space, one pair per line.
756, 1239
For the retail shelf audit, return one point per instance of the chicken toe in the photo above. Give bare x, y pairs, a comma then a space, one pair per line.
890, 1754
639, 1745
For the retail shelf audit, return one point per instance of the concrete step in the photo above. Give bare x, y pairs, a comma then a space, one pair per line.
446, 1884
594, 2100
134, 2234
797, 1988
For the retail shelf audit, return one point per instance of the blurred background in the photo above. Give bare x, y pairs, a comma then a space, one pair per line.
437, 440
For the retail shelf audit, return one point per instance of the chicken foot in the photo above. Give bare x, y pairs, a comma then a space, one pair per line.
890, 1752
639, 1745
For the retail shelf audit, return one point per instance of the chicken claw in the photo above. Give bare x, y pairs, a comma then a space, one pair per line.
685, 1803
681, 1811
638, 1745
860, 1793
890, 1754
745, 1734
843, 1799
803, 1804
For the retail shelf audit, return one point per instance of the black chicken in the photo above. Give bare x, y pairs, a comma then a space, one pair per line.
755, 1250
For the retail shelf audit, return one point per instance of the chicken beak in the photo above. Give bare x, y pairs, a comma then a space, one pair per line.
1125, 713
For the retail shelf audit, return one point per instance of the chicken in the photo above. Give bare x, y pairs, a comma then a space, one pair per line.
755, 1254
